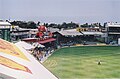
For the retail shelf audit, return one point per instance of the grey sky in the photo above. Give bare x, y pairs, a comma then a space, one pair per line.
61, 10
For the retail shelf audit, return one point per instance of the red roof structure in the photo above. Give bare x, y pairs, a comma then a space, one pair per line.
46, 40
30, 39
41, 41
42, 28
39, 34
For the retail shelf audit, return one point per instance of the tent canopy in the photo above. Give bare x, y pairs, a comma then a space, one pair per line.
17, 63
25, 45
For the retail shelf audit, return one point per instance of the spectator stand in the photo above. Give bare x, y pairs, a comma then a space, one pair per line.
43, 42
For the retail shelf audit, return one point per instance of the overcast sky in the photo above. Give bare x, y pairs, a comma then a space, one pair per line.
59, 11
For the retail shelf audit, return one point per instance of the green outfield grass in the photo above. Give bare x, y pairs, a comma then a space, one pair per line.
81, 62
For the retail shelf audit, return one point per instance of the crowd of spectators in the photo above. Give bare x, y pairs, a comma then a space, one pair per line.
41, 52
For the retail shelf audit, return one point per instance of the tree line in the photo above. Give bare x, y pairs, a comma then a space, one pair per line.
64, 25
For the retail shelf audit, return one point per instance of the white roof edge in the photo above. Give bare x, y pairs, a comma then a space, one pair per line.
112, 24
5, 23
93, 33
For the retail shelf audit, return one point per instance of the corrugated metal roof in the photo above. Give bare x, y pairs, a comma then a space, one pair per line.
53, 29
71, 32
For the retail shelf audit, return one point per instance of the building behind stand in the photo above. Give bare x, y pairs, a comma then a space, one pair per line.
5, 30
112, 32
